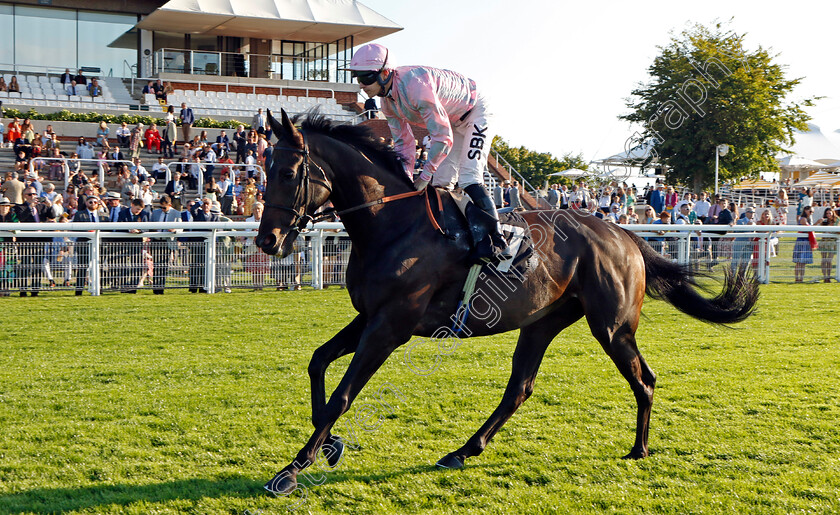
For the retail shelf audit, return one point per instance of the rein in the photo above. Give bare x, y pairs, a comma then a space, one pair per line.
303, 193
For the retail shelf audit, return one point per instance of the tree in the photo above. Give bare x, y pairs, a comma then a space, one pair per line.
706, 89
534, 166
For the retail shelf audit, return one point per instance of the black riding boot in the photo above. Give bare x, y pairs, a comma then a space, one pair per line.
482, 200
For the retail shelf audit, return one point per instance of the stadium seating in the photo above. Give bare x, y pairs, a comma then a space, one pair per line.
244, 105
42, 90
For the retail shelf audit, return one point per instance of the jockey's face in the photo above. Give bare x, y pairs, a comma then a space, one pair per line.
374, 89
371, 90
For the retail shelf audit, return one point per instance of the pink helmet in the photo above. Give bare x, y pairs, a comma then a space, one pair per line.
370, 57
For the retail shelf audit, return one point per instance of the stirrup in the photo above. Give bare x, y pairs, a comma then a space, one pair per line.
501, 249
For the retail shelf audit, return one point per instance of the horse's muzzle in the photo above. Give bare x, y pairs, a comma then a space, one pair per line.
275, 244
267, 243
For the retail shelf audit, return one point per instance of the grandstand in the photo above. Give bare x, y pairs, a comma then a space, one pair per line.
225, 59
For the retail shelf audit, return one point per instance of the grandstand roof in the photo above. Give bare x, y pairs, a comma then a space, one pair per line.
299, 20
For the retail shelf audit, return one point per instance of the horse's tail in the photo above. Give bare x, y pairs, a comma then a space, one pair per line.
676, 284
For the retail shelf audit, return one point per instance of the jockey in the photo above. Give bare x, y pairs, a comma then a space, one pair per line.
455, 113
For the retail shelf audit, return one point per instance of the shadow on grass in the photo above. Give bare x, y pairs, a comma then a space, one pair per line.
61, 500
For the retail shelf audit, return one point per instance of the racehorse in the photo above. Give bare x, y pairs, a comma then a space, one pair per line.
405, 278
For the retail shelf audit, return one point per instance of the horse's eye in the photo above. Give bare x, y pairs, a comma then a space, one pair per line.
287, 173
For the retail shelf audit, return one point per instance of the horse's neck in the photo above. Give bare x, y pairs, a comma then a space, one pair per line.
379, 224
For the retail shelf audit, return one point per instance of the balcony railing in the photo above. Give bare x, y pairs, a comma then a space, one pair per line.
266, 66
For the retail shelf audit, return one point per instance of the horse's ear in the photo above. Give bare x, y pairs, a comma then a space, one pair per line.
285, 130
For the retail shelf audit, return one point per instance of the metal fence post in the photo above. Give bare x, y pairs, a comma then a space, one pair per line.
837, 266
763, 258
317, 242
95, 267
210, 260
683, 248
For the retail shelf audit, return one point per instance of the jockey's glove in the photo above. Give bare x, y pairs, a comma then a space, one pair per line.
422, 180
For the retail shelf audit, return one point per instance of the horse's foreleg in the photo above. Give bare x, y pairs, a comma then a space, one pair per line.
344, 342
378, 341
530, 349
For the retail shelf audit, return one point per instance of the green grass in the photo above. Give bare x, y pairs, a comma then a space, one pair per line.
188, 404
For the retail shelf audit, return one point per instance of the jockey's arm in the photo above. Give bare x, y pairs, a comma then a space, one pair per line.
440, 133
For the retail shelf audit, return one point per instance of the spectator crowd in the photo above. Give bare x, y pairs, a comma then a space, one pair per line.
108, 181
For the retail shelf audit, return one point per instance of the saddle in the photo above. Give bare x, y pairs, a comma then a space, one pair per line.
480, 225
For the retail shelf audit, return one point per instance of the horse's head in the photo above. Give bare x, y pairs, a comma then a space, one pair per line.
296, 187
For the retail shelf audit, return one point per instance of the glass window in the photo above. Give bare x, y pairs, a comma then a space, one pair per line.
107, 42
7, 27
171, 60
45, 37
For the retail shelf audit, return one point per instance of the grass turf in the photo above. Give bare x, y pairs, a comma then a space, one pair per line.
188, 404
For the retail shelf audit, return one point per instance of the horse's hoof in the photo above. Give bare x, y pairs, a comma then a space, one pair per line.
450, 461
281, 484
334, 456
636, 454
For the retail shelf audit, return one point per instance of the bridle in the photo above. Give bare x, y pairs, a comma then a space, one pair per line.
303, 192
303, 195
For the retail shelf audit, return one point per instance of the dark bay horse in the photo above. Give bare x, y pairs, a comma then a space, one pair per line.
405, 279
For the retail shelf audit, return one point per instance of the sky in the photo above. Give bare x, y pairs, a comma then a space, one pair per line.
558, 73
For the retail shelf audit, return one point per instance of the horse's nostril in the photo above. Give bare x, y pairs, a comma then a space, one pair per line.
266, 242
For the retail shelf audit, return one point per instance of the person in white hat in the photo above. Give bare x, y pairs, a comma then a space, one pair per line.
6, 213
451, 107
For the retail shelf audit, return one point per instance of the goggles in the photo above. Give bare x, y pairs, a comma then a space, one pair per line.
366, 77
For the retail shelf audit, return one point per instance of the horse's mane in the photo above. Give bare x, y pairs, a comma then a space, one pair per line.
359, 137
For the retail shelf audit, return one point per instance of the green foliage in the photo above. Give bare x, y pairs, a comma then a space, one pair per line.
537, 166
742, 103
183, 404
131, 119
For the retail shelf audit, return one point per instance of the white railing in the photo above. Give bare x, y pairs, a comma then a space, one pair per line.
209, 256
762, 247
186, 170
215, 257
66, 166
273, 66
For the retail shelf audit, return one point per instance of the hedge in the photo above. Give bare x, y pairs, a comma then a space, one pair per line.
131, 119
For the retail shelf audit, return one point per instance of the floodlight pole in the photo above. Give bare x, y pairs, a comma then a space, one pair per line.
720, 150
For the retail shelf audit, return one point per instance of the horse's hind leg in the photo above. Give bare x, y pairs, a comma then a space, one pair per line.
619, 341
530, 349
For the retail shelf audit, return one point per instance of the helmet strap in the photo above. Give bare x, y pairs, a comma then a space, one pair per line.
382, 82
